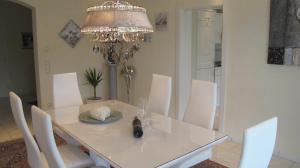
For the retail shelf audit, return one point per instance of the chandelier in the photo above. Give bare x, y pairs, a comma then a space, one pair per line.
115, 21
117, 30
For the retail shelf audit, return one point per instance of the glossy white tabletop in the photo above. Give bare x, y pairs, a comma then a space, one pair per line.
163, 142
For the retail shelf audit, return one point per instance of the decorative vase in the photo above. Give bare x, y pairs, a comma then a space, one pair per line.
128, 72
113, 89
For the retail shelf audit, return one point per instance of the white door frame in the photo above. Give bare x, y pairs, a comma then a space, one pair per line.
35, 47
183, 61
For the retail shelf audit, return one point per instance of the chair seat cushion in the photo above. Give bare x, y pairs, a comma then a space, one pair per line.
73, 157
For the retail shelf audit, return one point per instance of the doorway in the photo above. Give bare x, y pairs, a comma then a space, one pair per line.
17, 64
200, 55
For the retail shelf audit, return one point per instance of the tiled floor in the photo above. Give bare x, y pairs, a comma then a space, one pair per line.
227, 153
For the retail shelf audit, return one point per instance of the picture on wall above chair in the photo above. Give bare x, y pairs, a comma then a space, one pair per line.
284, 44
71, 33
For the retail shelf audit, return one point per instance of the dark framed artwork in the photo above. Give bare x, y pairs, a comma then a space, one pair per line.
284, 36
161, 21
27, 40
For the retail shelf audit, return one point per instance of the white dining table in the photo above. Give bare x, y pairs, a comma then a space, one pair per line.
165, 143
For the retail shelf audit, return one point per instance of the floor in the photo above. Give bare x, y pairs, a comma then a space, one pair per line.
8, 127
227, 154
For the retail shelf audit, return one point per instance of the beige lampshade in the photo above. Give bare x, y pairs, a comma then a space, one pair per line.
116, 16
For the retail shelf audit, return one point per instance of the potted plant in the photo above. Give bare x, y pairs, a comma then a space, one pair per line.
93, 78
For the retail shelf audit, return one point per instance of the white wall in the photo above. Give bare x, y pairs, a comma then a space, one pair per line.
159, 56
255, 90
16, 64
53, 54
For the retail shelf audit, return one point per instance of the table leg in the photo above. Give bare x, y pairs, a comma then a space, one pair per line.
98, 160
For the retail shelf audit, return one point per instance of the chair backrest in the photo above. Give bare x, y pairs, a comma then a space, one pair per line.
65, 90
202, 104
259, 142
34, 156
160, 94
42, 127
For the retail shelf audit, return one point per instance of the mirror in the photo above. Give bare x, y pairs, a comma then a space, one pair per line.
200, 53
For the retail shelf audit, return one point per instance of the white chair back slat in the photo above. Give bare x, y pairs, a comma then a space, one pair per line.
258, 145
66, 90
34, 156
43, 130
160, 94
202, 104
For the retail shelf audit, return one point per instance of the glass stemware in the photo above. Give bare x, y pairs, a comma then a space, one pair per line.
142, 112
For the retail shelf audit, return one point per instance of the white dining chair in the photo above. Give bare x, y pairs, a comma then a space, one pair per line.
258, 145
200, 111
34, 157
66, 90
64, 156
202, 104
66, 93
160, 94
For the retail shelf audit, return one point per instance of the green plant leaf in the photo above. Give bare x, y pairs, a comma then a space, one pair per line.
93, 77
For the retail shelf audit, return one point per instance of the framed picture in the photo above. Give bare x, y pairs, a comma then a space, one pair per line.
161, 21
71, 33
27, 40
284, 35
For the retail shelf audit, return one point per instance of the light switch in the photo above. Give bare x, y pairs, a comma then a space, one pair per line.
47, 61
47, 67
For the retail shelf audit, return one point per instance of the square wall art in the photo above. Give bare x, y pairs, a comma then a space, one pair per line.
71, 33
161, 21
284, 36
27, 40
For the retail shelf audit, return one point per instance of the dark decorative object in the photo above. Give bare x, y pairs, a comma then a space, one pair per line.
161, 21
93, 78
137, 128
27, 41
113, 81
284, 43
276, 56
71, 33
218, 54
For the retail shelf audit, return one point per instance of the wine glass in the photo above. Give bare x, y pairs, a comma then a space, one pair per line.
142, 114
141, 108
